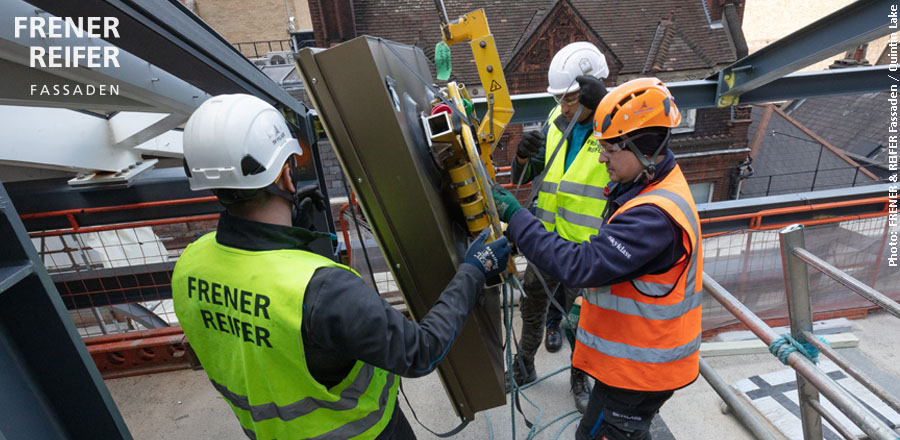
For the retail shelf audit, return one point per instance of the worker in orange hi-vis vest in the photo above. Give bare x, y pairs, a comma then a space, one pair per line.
638, 333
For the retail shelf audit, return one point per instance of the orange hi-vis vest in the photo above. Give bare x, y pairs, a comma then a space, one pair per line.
644, 334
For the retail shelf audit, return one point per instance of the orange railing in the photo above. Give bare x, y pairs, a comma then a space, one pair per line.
75, 227
757, 218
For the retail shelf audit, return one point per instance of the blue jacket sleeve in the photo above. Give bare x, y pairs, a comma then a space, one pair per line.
637, 242
347, 316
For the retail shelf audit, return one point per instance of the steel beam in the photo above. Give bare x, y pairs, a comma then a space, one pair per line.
51, 388
73, 141
535, 107
131, 129
858, 23
167, 144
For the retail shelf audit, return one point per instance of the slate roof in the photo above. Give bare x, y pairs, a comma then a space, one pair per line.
789, 158
853, 123
629, 28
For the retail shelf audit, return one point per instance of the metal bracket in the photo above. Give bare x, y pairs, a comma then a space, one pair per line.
123, 176
726, 83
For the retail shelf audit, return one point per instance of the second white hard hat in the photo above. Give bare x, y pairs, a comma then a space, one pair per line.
236, 142
572, 61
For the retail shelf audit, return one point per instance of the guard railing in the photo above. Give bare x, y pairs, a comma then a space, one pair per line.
811, 381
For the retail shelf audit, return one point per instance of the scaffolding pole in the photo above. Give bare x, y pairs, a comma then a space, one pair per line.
871, 425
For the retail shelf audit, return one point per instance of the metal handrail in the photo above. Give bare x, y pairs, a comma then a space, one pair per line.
795, 259
840, 398
853, 284
738, 407
841, 428
861, 377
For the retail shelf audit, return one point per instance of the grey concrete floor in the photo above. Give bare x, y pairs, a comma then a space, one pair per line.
183, 404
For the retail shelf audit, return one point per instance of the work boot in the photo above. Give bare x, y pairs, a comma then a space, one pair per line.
581, 388
553, 341
523, 372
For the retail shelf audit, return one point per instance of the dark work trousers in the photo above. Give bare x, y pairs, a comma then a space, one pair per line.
398, 428
618, 414
533, 308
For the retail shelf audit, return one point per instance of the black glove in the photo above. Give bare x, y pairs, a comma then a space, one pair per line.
531, 143
592, 91
308, 200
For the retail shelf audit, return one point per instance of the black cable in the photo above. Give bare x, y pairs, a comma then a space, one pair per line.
362, 242
462, 425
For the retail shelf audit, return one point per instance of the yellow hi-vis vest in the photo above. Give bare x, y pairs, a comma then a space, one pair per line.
241, 312
571, 202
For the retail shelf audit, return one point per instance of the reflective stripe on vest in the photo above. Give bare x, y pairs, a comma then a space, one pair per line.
601, 297
570, 200
656, 289
291, 411
583, 189
545, 216
241, 324
644, 334
360, 426
588, 221
639, 354
353, 429
549, 187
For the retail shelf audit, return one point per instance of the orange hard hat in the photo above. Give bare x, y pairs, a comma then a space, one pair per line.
639, 103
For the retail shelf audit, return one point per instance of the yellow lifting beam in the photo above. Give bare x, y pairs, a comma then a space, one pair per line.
474, 27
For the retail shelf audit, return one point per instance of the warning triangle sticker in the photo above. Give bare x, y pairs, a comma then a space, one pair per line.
495, 85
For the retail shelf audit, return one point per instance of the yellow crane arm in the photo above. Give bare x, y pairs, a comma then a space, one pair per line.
474, 27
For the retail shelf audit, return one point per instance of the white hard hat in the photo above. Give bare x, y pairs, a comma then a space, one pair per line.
574, 60
236, 142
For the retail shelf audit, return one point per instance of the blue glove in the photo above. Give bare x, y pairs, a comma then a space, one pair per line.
507, 205
490, 258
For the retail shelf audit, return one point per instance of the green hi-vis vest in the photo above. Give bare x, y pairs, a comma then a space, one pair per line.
241, 312
571, 202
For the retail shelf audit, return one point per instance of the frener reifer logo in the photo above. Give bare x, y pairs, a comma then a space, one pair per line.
67, 30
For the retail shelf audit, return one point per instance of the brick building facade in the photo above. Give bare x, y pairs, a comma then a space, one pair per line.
672, 40
260, 20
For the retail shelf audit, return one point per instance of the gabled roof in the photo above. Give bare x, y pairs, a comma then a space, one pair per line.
671, 47
788, 157
849, 122
627, 28
561, 25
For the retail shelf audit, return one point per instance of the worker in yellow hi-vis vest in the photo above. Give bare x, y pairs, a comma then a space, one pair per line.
561, 160
297, 345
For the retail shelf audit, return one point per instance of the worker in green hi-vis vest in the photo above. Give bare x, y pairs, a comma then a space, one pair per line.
561, 160
298, 345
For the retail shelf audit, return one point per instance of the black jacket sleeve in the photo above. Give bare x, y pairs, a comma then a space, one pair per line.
344, 314
533, 166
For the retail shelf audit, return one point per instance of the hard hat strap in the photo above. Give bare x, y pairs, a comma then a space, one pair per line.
559, 98
649, 165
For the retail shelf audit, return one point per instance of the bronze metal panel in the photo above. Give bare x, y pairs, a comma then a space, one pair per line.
370, 102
